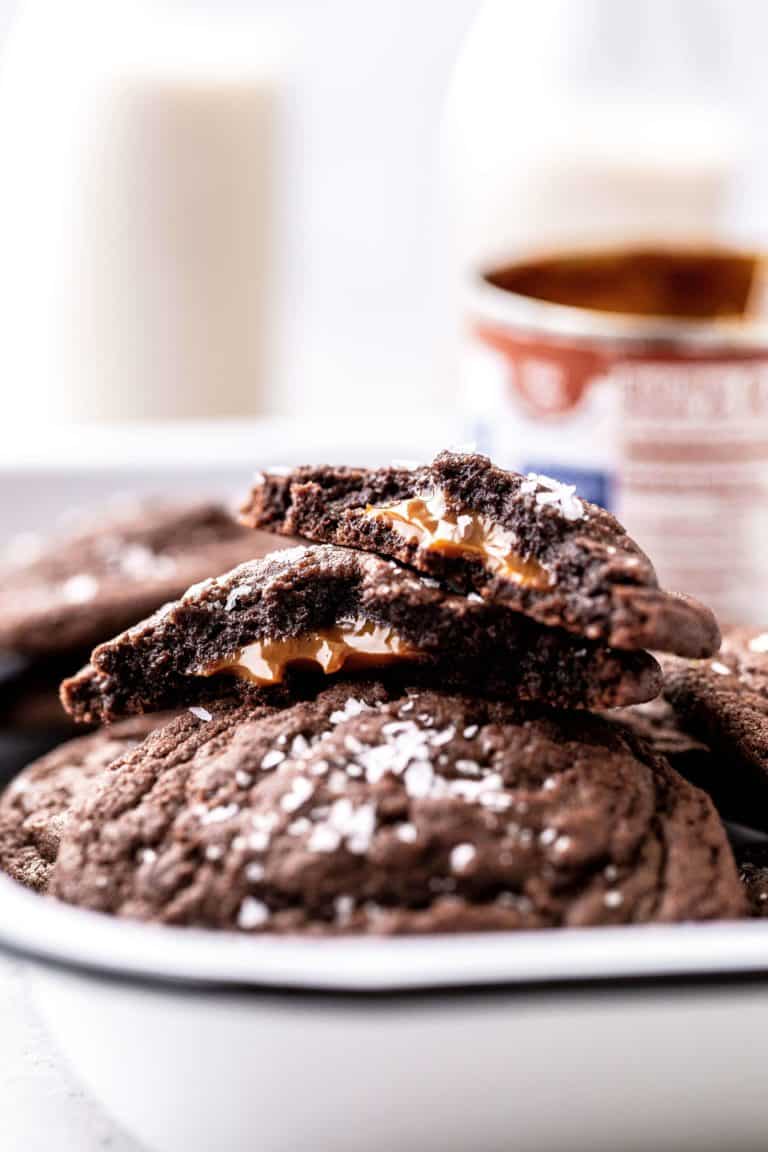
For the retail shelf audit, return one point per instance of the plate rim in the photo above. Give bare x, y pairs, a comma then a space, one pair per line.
41, 930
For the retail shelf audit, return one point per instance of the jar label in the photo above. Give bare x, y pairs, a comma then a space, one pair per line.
675, 444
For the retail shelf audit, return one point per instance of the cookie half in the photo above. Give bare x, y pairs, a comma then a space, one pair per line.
34, 807
365, 810
724, 703
329, 609
83, 584
526, 542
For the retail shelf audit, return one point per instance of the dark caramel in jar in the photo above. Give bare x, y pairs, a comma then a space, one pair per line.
686, 284
640, 375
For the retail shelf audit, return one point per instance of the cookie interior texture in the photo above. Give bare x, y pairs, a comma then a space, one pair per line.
85, 583
527, 542
335, 608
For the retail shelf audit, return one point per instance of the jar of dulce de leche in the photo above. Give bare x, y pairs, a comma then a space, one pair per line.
641, 377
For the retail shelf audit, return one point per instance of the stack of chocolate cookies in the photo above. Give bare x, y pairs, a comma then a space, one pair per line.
432, 716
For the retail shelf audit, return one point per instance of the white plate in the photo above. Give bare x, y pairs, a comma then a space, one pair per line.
638, 1038
53, 932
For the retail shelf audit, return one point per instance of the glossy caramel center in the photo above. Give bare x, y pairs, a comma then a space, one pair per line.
353, 645
437, 528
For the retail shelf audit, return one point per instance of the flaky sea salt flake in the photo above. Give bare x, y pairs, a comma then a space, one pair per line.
406, 832
219, 814
468, 767
419, 778
235, 596
548, 491
324, 838
201, 713
462, 856
79, 589
299, 746
352, 707
301, 790
252, 914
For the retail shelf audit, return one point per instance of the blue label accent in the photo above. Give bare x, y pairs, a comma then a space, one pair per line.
597, 487
481, 437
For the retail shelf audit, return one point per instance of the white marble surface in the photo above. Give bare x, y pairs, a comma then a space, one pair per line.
42, 1106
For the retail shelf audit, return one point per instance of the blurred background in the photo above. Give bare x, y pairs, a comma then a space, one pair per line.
256, 207
224, 209
257, 230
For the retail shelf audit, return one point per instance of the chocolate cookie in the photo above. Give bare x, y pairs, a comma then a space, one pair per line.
34, 808
365, 811
657, 724
753, 870
330, 608
724, 703
81, 586
526, 542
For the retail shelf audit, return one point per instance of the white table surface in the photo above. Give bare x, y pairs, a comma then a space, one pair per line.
42, 1107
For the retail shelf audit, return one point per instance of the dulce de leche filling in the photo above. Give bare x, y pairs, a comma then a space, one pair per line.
354, 644
437, 528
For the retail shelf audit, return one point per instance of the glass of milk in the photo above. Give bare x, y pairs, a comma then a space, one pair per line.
136, 213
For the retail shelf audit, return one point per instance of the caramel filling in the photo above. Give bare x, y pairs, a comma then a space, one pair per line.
353, 645
437, 528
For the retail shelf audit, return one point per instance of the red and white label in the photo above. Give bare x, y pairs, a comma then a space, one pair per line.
683, 439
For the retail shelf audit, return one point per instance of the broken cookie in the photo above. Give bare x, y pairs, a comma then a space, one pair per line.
328, 609
526, 542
